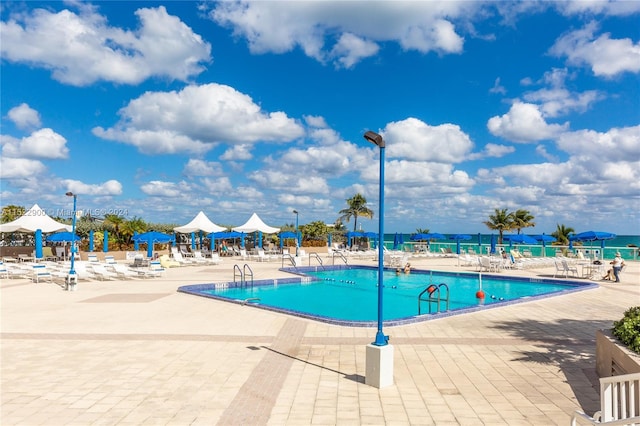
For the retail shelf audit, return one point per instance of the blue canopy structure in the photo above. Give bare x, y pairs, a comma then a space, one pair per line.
492, 250
429, 236
152, 237
286, 235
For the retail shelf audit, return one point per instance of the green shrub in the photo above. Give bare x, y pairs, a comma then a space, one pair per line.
628, 329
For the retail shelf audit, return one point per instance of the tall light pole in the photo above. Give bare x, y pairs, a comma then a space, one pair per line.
72, 272
381, 339
297, 241
379, 354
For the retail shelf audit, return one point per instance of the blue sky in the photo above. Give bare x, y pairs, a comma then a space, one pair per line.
161, 109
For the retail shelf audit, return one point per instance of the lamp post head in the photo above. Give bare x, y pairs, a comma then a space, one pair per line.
295, 212
374, 138
70, 194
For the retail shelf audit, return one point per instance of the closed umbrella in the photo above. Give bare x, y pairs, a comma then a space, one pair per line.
493, 244
458, 238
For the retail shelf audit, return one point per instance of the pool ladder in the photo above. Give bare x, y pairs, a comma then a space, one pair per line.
243, 274
436, 296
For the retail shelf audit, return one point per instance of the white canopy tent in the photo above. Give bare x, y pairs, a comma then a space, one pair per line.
199, 223
35, 218
256, 224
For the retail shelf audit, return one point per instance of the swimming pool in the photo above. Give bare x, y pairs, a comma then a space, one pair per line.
348, 295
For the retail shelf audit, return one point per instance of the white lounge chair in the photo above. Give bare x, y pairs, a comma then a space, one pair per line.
122, 271
41, 273
569, 269
101, 272
619, 402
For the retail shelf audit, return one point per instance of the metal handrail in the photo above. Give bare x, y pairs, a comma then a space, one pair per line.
344, 259
244, 268
434, 297
240, 272
317, 258
288, 256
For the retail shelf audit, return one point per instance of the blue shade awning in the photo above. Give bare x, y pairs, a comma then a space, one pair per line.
287, 234
223, 235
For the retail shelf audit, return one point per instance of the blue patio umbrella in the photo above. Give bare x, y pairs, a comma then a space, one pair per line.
544, 239
152, 237
396, 241
520, 239
593, 236
105, 242
136, 246
62, 237
91, 240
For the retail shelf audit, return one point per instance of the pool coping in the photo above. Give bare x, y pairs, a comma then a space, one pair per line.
197, 290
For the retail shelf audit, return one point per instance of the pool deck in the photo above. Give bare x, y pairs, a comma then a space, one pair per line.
138, 352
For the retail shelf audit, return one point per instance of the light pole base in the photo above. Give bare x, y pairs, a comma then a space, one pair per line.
379, 366
72, 282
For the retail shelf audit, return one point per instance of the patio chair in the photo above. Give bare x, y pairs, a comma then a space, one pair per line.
40, 272
569, 269
619, 402
559, 268
4, 272
122, 271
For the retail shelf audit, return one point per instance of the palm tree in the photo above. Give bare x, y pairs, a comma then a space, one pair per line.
562, 233
422, 230
522, 219
114, 221
357, 208
501, 221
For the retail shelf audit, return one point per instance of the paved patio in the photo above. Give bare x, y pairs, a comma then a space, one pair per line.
138, 352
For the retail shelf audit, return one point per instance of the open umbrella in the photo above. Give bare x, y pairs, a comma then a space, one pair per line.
593, 236
520, 239
63, 237
544, 239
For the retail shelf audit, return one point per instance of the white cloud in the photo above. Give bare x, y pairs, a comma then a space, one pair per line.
556, 100
498, 88
357, 27
195, 119
81, 49
19, 168
237, 153
608, 8
492, 150
110, 187
165, 189
351, 49
43, 143
541, 150
415, 140
24, 116
524, 123
616, 145
607, 57
196, 167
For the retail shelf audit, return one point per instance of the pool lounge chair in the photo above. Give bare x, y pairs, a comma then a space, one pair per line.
619, 402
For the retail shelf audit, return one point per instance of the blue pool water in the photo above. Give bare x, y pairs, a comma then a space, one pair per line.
349, 296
